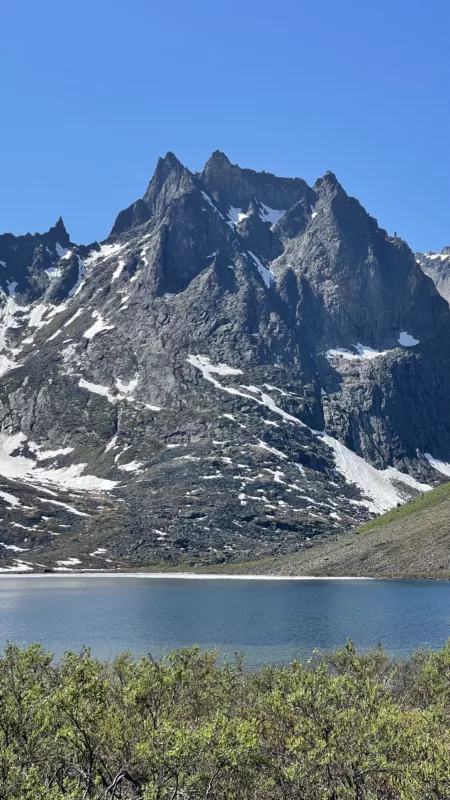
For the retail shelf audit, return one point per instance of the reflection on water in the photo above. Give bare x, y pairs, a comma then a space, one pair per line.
269, 621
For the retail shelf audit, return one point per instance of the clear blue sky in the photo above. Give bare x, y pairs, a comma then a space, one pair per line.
93, 91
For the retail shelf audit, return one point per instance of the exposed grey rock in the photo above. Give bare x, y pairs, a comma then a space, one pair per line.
178, 374
135, 214
437, 267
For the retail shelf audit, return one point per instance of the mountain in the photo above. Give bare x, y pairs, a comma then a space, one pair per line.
437, 266
244, 367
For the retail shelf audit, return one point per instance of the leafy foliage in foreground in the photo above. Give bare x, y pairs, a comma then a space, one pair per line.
185, 728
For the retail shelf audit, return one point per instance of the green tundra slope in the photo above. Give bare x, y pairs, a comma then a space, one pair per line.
411, 541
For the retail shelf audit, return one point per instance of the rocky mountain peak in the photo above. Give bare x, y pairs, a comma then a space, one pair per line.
170, 161
170, 180
217, 161
232, 185
59, 233
328, 184
246, 364
164, 167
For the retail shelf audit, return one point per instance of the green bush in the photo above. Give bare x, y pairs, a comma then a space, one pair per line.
339, 727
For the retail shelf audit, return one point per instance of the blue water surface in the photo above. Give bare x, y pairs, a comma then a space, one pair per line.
270, 621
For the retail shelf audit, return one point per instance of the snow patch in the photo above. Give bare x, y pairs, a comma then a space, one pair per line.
72, 478
441, 466
203, 363
210, 202
111, 444
97, 388
20, 467
63, 505
98, 326
53, 336
271, 215
272, 406
19, 566
10, 499
431, 256
362, 351
61, 251
266, 400
46, 454
127, 388
8, 321
6, 365
132, 466
73, 318
80, 279
275, 389
53, 272
374, 484
266, 274
406, 340
269, 449
36, 315
14, 547
117, 271
235, 216
105, 251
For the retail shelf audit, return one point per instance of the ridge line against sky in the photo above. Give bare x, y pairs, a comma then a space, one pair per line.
93, 93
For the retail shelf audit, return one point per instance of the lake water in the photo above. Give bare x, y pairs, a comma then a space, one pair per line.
271, 621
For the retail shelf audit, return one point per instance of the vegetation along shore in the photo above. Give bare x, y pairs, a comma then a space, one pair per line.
342, 725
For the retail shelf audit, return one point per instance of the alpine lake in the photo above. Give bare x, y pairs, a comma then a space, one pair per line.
269, 620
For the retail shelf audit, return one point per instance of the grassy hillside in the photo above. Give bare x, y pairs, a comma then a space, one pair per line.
430, 500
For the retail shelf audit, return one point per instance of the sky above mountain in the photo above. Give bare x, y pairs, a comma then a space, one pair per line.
93, 93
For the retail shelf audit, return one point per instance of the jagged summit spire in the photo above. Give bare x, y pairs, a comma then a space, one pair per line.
219, 160
58, 232
169, 161
171, 177
59, 226
329, 179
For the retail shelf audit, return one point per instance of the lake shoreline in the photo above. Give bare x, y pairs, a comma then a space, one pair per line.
186, 576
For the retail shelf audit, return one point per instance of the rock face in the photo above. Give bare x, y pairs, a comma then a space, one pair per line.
244, 366
437, 266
